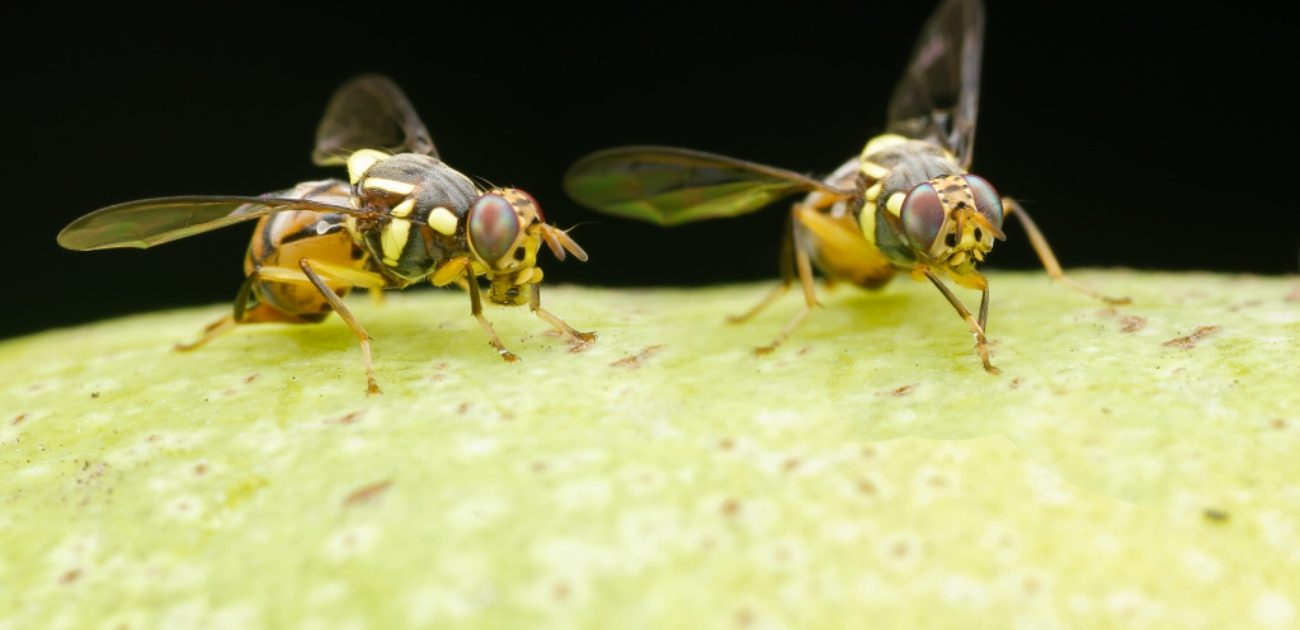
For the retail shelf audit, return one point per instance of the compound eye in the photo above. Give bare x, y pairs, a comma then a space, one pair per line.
922, 215
493, 227
987, 200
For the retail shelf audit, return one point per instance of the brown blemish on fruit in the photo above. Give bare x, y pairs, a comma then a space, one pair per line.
72, 575
1215, 514
635, 361
1031, 585
1189, 341
367, 493
18, 419
1132, 323
200, 469
731, 508
462, 408
560, 591
789, 465
345, 419
1017, 382
726, 444
901, 549
866, 487
1279, 423
538, 466
250, 378
898, 392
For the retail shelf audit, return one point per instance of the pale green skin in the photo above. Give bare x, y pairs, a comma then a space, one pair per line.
697, 487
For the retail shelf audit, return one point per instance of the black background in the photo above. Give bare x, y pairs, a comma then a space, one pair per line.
1138, 135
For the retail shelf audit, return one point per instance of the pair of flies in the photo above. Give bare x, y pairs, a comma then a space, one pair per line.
906, 203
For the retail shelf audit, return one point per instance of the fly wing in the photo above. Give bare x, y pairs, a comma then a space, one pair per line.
670, 186
148, 222
369, 112
938, 97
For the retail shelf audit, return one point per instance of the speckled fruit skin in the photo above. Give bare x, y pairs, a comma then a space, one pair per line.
1131, 467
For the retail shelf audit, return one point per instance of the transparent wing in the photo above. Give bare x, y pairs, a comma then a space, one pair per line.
938, 97
369, 112
670, 186
148, 222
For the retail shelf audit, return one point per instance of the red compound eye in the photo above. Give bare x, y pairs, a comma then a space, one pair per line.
922, 215
987, 200
493, 227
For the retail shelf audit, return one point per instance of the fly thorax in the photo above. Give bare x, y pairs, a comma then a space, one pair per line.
420, 205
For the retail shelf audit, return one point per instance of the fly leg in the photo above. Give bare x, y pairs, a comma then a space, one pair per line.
977, 328
787, 265
210, 332
314, 273
476, 309
227, 323
803, 264
535, 303
309, 269
1045, 254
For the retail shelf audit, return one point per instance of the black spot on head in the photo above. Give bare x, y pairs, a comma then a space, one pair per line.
979, 236
519, 254
950, 240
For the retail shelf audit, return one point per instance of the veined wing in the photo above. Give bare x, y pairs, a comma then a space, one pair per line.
148, 222
369, 112
938, 97
669, 186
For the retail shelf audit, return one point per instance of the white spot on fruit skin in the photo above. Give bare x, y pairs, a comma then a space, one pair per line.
476, 512
964, 590
184, 508
477, 447
350, 541
587, 493
1274, 610
1202, 566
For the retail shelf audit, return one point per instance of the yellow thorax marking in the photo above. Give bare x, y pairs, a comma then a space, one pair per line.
443, 220
361, 161
403, 210
393, 240
880, 143
388, 185
895, 203
873, 170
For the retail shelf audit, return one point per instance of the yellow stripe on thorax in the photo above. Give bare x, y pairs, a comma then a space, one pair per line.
361, 161
393, 240
388, 185
882, 142
867, 215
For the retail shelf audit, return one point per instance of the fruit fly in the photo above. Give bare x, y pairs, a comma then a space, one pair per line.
906, 203
403, 217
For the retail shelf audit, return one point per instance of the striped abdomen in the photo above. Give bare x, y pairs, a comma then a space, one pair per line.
284, 238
